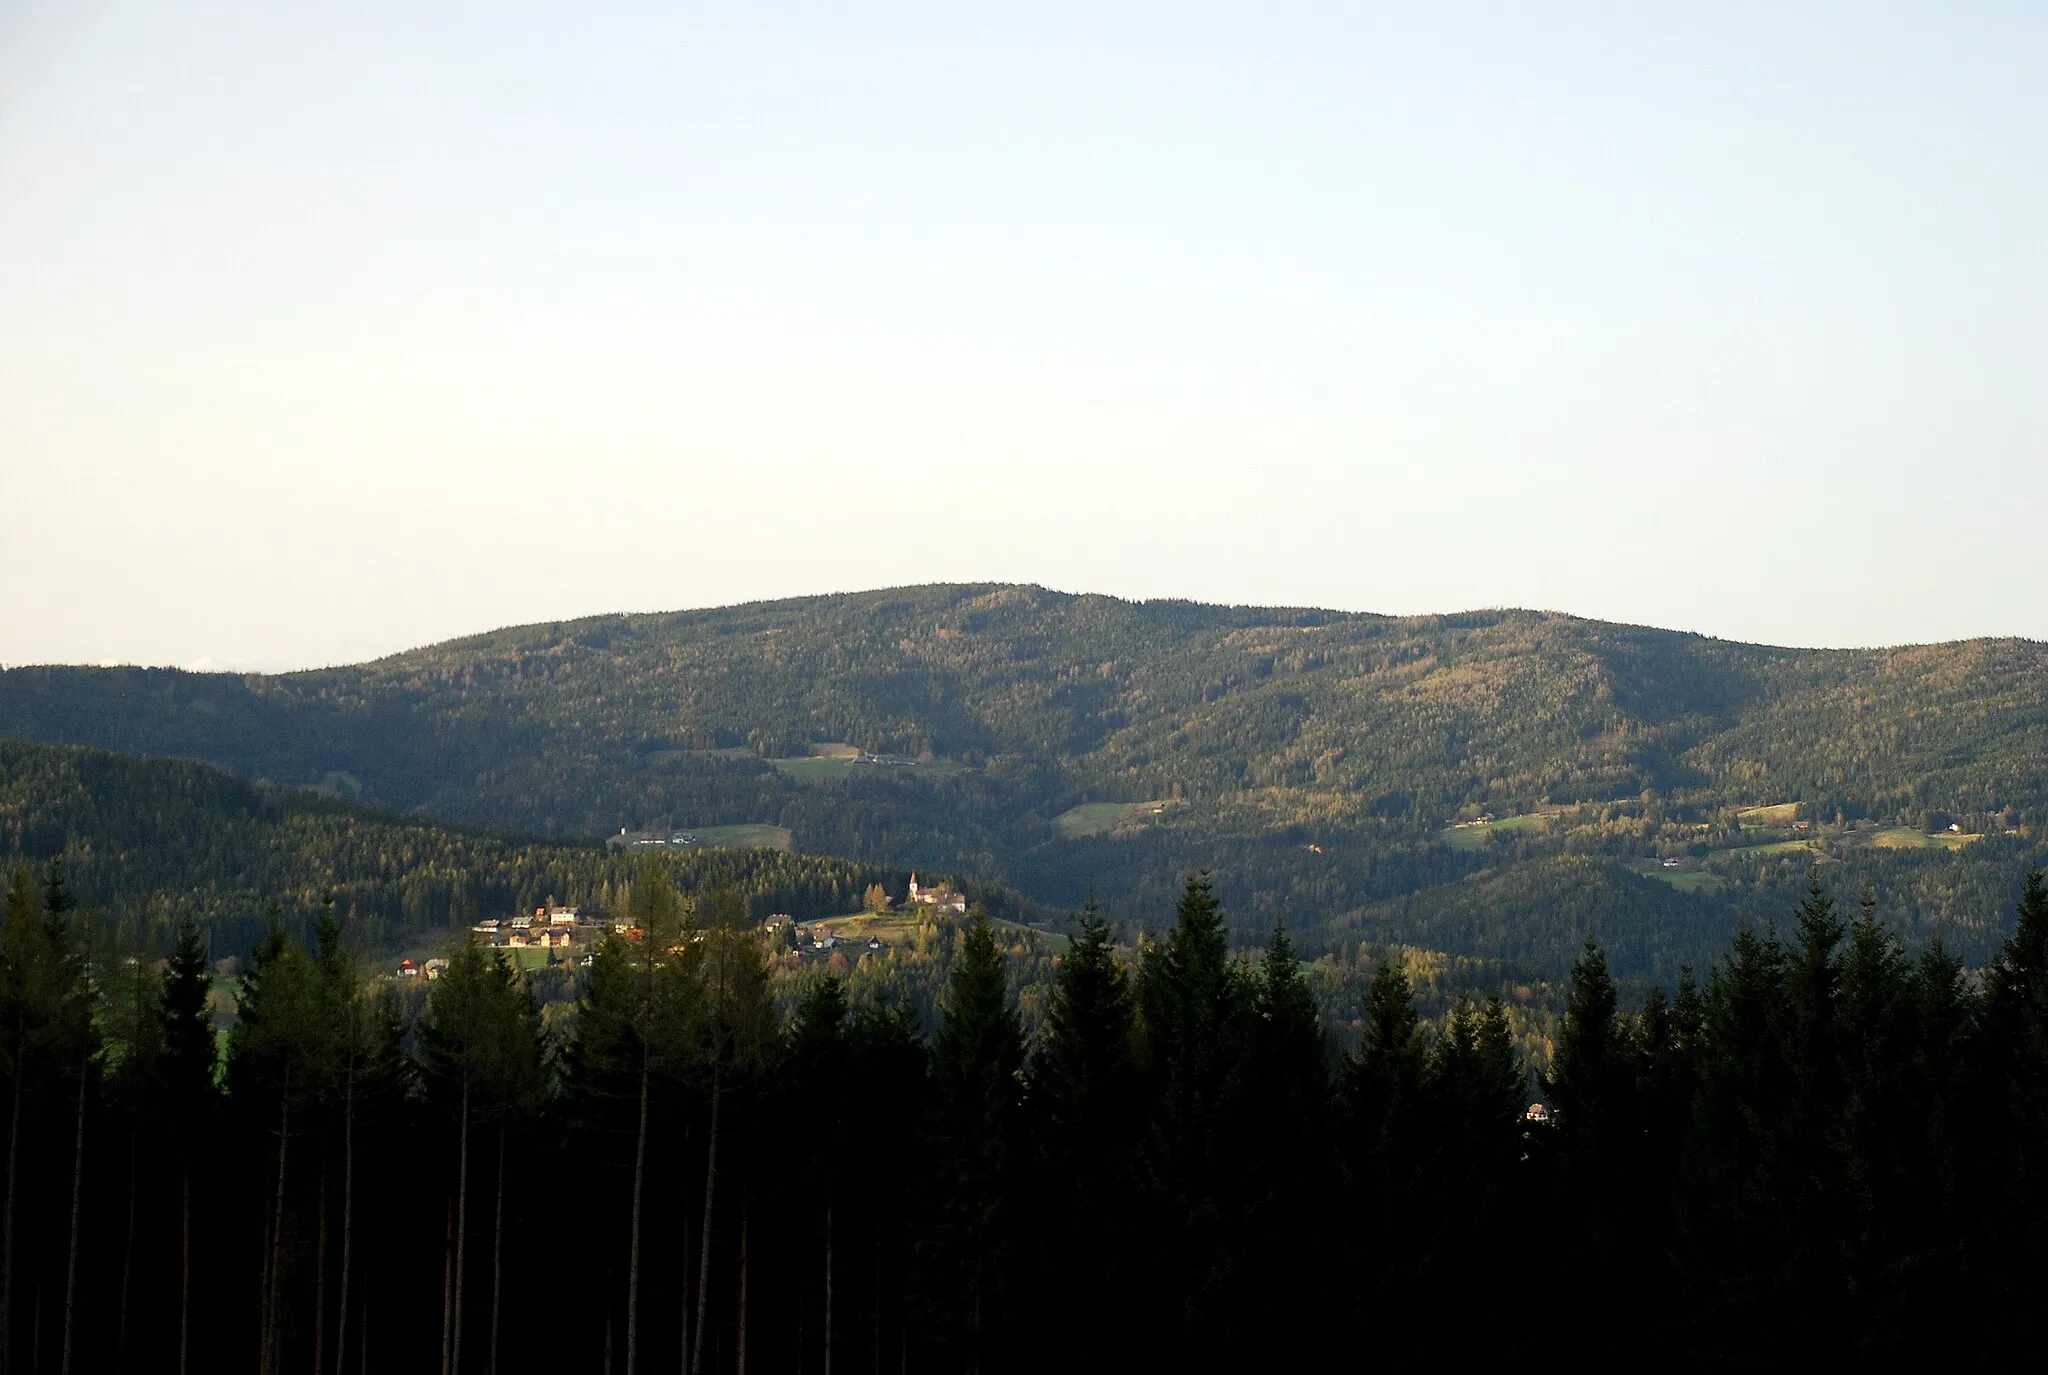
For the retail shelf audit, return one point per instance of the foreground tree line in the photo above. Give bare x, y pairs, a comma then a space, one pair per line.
1825, 1150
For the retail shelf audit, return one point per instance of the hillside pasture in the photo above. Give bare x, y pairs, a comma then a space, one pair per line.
1687, 880
1474, 837
1906, 838
895, 928
1097, 818
1766, 851
834, 768
747, 837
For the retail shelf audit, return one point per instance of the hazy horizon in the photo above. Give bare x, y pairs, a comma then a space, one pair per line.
327, 332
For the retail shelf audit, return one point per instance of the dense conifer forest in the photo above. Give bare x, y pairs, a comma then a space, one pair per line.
1816, 1150
1319, 764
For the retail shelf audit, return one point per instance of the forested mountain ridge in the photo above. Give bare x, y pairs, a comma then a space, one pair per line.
1271, 731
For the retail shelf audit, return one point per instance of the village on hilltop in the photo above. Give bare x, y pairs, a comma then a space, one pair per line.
569, 935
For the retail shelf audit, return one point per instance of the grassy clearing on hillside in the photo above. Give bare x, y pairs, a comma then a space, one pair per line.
1778, 814
830, 769
1776, 847
814, 769
748, 837
897, 927
1474, 837
1688, 880
1094, 818
1906, 838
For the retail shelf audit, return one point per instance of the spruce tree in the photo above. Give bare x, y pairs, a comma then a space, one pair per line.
737, 1046
1745, 1195
480, 1051
277, 1051
1382, 1141
1083, 1073
188, 1064
1194, 1007
133, 1053
1813, 988
1593, 1099
888, 1063
1473, 1105
1084, 1099
1590, 1080
818, 1058
2015, 1097
1282, 1128
615, 1051
75, 1027
1946, 1183
977, 1101
28, 994
1383, 1077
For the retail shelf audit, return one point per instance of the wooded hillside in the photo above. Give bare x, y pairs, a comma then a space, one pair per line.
165, 839
1311, 759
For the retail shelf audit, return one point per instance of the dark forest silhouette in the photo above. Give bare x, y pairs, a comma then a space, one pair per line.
1822, 1150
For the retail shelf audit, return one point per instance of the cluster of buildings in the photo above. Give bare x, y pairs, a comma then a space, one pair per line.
568, 931
820, 938
549, 927
662, 838
940, 897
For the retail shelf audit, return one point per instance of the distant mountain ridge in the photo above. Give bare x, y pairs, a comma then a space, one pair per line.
1274, 730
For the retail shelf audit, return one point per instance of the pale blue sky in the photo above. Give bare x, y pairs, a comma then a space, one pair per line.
327, 331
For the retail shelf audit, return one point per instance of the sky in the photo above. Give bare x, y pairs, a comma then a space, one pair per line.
327, 331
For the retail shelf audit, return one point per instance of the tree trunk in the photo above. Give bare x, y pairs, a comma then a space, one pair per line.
348, 1213
497, 1251
77, 1196
127, 1261
743, 1287
683, 1304
878, 1295
828, 1280
633, 1244
263, 1305
273, 1278
461, 1231
447, 1286
185, 1262
7, 1225
320, 1275
704, 1242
